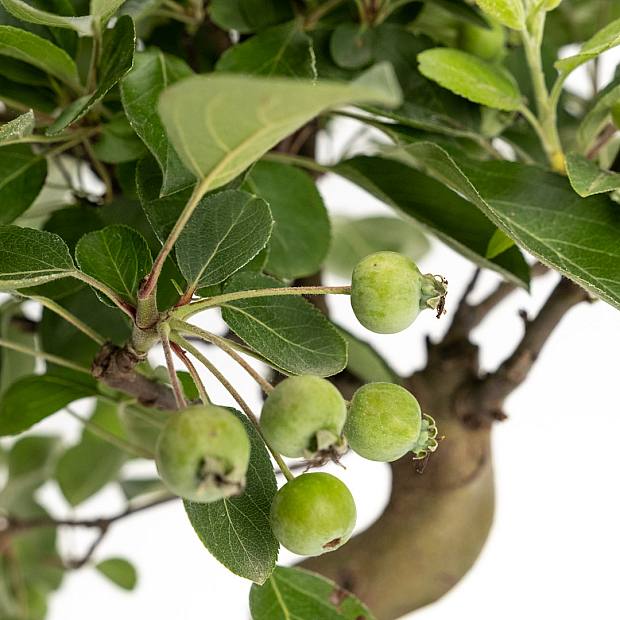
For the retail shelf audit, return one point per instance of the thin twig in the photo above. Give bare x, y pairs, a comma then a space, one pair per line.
174, 379
48, 357
204, 396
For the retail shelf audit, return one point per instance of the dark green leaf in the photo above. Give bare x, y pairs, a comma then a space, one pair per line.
237, 530
31, 257
225, 232
118, 256
119, 571
22, 175
448, 216
471, 77
300, 237
118, 142
354, 239
28, 47
281, 50
596, 117
31, 399
116, 61
14, 327
256, 112
352, 45
104, 9
19, 127
249, 15
137, 487
89, 465
286, 330
539, 210
153, 72
302, 595
365, 363
587, 178
18, 95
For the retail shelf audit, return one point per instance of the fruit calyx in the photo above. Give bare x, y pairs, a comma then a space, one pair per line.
326, 447
433, 291
216, 473
427, 440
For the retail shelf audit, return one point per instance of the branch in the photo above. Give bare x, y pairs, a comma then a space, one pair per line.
115, 366
487, 396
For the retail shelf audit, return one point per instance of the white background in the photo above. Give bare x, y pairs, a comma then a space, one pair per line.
554, 550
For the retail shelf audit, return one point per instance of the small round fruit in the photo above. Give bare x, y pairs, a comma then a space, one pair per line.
486, 43
304, 416
203, 454
313, 514
384, 422
388, 291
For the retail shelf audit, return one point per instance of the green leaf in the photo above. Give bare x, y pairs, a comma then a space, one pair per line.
31, 257
154, 71
22, 175
39, 52
352, 45
85, 468
236, 530
471, 77
364, 361
116, 255
82, 25
257, 114
451, 218
116, 60
224, 233
19, 127
587, 178
288, 331
137, 487
104, 9
281, 50
508, 12
301, 220
18, 95
249, 15
119, 571
294, 593
605, 39
499, 243
354, 239
14, 327
596, 117
34, 398
118, 142
539, 210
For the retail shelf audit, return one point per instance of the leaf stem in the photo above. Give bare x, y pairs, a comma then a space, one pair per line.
222, 343
180, 353
48, 357
70, 318
107, 291
183, 312
299, 160
164, 332
233, 392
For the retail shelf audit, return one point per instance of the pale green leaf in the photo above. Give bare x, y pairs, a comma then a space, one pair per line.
281, 50
301, 234
82, 25
288, 331
104, 9
605, 39
89, 465
498, 244
580, 237
511, 13
119, 571
593, 122
14, 327
22, 175
39, 52
19, 127
587, 178
225, 232
471, 77
448, 216
236, 530
354, 239
297, 594
34, 398
116, 60
220, 123
116, 255
30, 257
154, 71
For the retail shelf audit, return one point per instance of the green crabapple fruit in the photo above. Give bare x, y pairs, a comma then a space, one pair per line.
388, 291
486, 43
313, 514
304, 417
385, 422
203, 454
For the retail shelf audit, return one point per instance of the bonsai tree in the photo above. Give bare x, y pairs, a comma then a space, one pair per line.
157, 160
